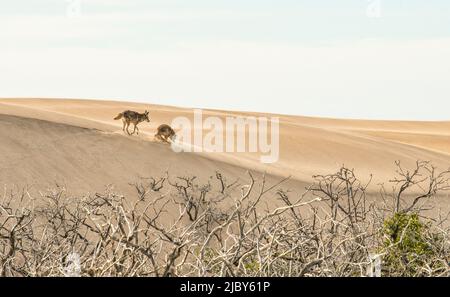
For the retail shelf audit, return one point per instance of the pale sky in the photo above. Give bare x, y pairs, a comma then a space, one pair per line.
377, 59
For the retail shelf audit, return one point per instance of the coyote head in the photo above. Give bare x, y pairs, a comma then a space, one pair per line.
146, 117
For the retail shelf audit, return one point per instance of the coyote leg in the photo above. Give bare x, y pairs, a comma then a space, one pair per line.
137, 128
128, 125
123, 128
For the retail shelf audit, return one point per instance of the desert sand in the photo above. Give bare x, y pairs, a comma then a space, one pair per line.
76, 143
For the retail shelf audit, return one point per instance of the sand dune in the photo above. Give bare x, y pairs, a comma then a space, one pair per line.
39, 155
78, 143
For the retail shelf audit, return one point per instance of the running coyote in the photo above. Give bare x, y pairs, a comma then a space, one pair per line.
165, 132
129, 117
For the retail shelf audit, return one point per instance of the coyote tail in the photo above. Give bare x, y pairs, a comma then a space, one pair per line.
119, 116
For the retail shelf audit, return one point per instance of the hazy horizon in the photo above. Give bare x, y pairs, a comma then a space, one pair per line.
360, 59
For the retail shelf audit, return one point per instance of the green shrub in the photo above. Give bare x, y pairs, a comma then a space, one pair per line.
406, 244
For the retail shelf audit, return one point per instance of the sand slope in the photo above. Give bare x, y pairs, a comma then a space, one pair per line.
40, 155
79, 143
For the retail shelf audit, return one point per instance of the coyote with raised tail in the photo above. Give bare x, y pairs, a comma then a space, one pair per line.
132, 117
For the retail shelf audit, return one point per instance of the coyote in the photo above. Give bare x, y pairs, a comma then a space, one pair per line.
165, 132
129, 117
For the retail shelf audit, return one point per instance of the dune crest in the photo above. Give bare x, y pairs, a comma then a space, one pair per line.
76, 140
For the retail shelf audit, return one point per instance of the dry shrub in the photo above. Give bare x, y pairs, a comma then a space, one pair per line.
181, 227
